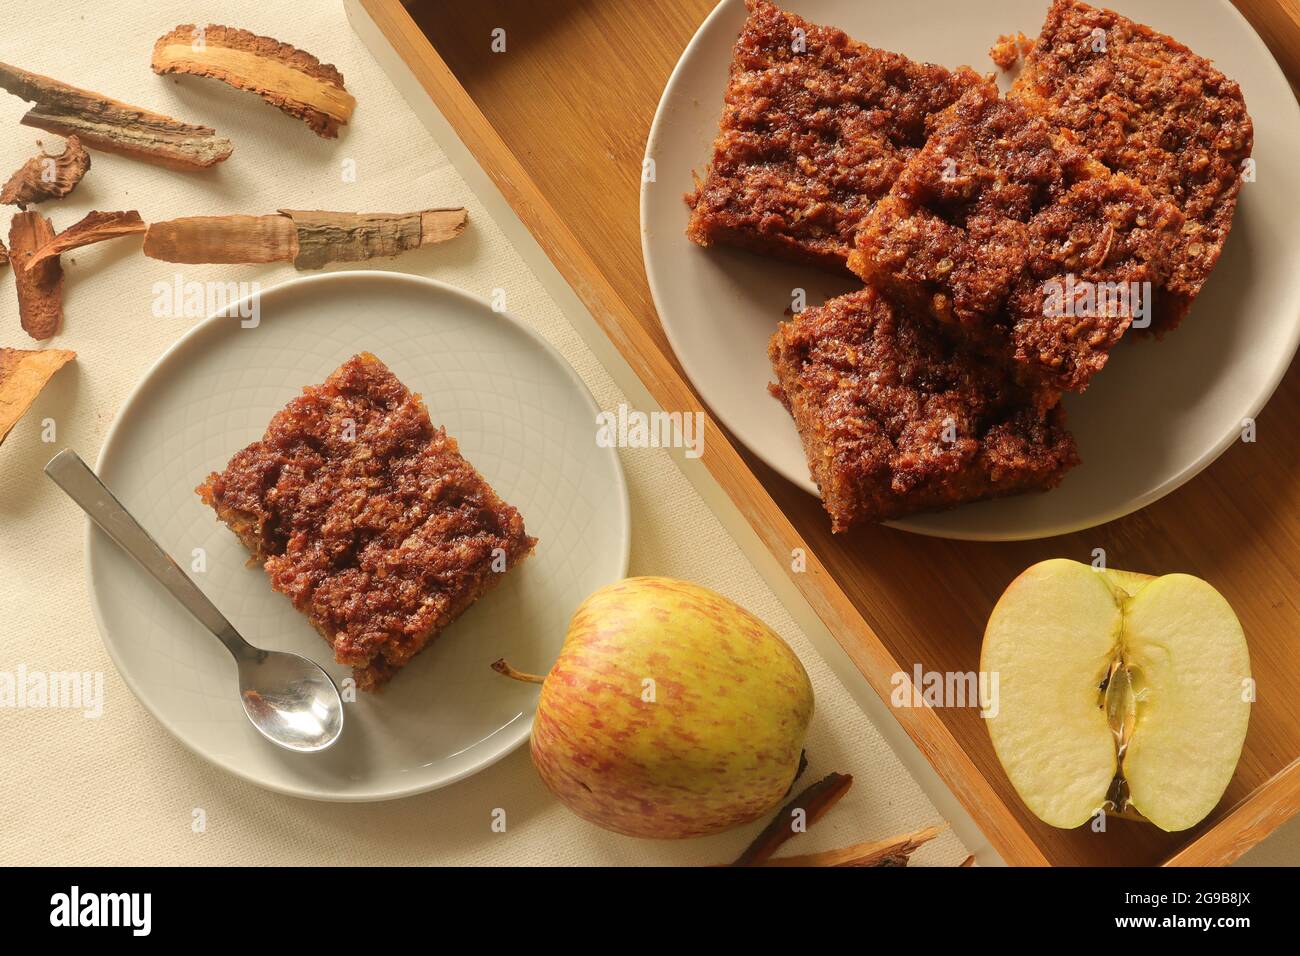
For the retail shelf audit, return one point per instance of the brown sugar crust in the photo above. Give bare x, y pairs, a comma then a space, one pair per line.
810, 140
996, 213
896, 418
367, 517
1146, 105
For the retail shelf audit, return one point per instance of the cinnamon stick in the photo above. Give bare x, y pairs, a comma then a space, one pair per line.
23, 373
95, 227
309, 240
40, 289
290, 79
814, 802
111, 125
47, 175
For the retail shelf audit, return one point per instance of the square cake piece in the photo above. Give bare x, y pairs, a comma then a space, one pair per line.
815, 129
367, 517
1018, 241
1146, 105
897, 418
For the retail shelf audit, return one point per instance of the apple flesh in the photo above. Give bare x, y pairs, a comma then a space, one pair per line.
1113, 684
671, 712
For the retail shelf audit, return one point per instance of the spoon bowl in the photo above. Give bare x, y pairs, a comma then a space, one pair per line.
290, 700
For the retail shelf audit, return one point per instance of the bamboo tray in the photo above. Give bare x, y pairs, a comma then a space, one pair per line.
560, 125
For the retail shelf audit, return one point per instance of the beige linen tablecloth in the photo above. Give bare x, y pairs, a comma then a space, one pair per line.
119, 789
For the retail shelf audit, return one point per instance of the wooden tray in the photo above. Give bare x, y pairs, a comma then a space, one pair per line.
560, 125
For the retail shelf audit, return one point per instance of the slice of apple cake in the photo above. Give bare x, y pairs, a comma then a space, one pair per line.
815, 129
368, 518
897, 418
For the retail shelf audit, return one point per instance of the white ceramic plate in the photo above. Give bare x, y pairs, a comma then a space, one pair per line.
1159, 414
522, 417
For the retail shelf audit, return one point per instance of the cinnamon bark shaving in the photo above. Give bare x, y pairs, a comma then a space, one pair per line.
23, 373
111, 125
95, 227
47, 175
4, 254
896, 851
40, 289
293, 81
815, 802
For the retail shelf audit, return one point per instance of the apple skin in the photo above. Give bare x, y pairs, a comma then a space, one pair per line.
718, 746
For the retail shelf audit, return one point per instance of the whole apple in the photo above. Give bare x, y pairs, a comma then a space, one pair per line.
671, 712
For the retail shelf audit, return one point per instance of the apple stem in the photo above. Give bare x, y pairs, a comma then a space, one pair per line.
501, 667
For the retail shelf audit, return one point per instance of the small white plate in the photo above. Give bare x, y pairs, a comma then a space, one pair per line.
522, 417
1158, 414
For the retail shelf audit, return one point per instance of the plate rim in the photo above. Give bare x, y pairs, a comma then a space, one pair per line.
379, 276
804, 481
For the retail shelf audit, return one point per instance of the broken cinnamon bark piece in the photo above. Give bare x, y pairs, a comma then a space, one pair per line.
95, 227
23, 373
47, 175
4, 255
112, 126
40, 289
892, 852
811, 805
308, 239
293, 81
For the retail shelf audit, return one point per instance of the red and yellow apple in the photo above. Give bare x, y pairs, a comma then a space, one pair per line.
671, 712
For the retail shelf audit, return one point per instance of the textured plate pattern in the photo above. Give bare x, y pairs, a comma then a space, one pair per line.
522, 417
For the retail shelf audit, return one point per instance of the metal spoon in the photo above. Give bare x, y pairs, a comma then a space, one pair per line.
289, 699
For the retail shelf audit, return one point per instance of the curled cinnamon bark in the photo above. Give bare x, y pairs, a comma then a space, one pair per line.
290, 79
40, 289
47, 175
95, 227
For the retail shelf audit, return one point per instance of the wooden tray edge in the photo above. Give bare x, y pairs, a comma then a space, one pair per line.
1246, 824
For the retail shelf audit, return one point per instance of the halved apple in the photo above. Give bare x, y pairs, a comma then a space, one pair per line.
1116, 690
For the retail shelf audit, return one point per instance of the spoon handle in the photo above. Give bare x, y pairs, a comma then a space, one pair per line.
71, 474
